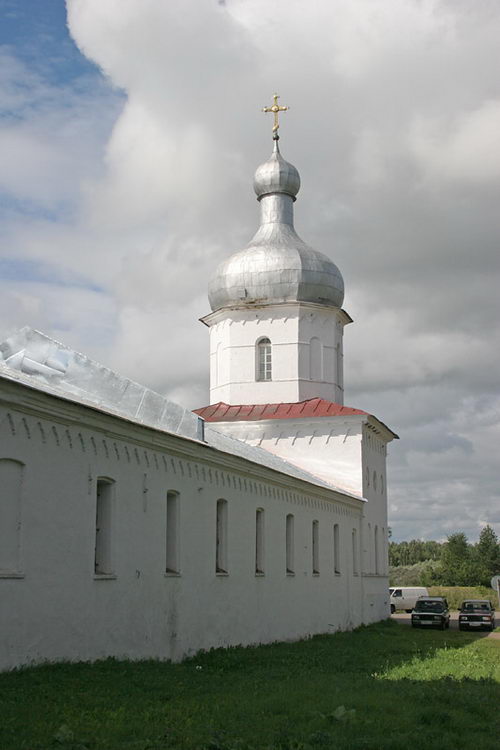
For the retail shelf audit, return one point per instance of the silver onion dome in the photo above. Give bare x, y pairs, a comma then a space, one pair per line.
276, 176
276, 266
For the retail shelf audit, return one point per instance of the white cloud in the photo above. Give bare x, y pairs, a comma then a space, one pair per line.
461, 151
393, 122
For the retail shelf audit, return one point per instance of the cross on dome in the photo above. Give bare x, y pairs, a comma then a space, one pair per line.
275, 109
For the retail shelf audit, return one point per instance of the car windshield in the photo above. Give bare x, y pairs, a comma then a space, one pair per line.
429, 605
471, 606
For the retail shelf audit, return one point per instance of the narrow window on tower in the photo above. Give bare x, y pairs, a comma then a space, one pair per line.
172, 533
259, 542
290, 565
264, 360
315, 547
336, 548
376, 553
103, 521
221, 538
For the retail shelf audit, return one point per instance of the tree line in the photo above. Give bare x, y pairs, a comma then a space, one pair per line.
451, 563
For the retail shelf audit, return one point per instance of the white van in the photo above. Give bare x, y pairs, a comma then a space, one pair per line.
405, 597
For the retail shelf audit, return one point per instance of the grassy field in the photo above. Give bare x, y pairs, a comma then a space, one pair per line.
455, 595
383, 686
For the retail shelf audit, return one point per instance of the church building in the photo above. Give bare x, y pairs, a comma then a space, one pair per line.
131, 527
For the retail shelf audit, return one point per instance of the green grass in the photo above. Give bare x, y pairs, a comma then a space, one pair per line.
383, 686
455, 595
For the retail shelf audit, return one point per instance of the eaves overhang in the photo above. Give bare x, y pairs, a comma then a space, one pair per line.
214, 317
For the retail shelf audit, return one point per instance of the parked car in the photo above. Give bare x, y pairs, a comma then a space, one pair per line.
431, 612
477, 614
405, 597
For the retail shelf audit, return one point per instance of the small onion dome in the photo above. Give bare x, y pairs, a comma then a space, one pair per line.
276, 176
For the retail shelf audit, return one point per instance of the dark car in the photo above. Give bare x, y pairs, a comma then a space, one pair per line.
476, 614
431, 612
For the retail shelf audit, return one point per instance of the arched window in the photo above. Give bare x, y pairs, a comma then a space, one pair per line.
315, 547
172, 535
264, 360
103, 560
355, 552
221, 538
259, 542
290, 567
336, 548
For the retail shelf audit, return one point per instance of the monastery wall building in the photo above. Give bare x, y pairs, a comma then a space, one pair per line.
131, 527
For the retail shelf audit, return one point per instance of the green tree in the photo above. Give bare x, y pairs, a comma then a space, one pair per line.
487, 555
457, 564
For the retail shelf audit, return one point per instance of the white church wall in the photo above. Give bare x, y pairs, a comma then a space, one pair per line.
307, 355
55, 606
375, 552
330, 448
342, 451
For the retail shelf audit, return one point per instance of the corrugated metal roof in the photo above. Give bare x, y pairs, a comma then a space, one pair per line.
312, 407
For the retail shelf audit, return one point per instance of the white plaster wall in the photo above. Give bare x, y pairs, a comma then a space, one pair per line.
374, 457
328, 447
57, 609
290, 328
340, 450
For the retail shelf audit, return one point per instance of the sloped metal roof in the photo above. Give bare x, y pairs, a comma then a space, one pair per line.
39, 362
313, 407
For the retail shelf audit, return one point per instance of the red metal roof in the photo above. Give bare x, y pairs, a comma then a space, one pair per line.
313, 407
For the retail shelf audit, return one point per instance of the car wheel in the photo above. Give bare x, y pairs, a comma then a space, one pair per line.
393, 609
408, 611
443, 625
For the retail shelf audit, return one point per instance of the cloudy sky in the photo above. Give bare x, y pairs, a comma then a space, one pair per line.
129, 135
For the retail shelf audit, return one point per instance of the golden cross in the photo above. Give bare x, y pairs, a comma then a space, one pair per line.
275, 108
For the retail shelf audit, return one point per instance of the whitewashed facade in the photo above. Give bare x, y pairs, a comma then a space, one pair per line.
55, 451
131, 528
307, 341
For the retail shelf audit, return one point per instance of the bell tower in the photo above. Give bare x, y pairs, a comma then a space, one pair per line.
276, 326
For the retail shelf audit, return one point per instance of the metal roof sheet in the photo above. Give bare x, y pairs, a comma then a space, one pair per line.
313, 407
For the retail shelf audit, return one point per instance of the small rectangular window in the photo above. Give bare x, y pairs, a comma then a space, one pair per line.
336, 548
259, 542
290, 565
315, 547
355, 552
172, 532
103, 527
221, 537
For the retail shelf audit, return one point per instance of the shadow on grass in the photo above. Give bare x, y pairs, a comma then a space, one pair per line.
382, 686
